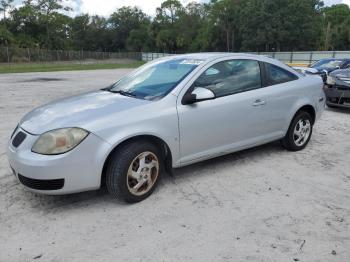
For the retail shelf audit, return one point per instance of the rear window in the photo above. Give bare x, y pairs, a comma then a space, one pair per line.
277, 75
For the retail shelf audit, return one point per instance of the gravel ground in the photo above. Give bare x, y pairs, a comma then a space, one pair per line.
263, 204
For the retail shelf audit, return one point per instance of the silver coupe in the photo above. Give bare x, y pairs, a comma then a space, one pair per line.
169, 113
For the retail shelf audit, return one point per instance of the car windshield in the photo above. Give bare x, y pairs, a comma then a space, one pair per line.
156, 79
327, 64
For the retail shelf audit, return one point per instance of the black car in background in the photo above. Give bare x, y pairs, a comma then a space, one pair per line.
337, 88
325, 66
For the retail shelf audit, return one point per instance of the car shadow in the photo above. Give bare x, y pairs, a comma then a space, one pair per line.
232, 159
102, 198
339, 110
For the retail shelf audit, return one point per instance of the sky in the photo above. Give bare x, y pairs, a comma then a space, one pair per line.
106, 7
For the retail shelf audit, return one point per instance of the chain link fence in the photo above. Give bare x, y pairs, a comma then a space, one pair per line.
28, 55
286, 57
306, 57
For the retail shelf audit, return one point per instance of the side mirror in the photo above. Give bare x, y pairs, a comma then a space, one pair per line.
337, 67
198, 94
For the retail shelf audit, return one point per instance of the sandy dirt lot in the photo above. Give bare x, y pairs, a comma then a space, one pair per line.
263, 204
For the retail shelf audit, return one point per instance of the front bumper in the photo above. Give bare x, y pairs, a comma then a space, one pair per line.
75, 171
338, 96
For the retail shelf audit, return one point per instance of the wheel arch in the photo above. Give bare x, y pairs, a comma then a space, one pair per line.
159, 142
309, 109
305, 106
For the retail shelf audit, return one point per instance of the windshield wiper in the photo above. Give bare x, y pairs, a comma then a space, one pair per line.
121, 92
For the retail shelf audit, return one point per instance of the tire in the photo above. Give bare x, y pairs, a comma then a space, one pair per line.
290, 141
126, 163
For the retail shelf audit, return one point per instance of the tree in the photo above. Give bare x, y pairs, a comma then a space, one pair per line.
276, 25
5, 6
140, 39
192, 38
123, 21
220, 25
6, 37
225, 15
26, 26
336, 27
165, 25
49, 15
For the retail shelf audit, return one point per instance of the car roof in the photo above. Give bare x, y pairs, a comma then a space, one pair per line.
213, 55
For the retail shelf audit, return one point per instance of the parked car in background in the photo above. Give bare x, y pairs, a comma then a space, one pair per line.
325, 66
169, 113
338, 88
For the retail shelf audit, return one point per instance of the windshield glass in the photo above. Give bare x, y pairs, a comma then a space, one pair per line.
155, 80
327, 63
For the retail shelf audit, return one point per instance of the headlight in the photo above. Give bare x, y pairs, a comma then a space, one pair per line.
59, 141
331, 80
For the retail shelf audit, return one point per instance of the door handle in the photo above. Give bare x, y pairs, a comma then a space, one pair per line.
259, 102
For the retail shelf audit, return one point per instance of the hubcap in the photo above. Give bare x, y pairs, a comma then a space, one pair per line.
302, 132
142, 173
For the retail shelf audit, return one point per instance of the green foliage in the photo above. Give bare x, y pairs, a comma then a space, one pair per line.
220, 25
125, 20
5, 6
337, 27
6, 37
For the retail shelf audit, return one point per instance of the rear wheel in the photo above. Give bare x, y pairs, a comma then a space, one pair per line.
299, 132
133, 171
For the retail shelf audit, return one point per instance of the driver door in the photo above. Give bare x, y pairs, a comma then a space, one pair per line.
231, 121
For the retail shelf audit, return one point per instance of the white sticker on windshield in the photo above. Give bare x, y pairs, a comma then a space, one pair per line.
191, 62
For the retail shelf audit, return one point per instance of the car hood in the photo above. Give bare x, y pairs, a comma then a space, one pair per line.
341, 73
306, 69
342, 77
322, 69
77, 111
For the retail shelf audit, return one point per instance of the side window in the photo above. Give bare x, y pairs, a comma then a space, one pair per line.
277, 75
231, 77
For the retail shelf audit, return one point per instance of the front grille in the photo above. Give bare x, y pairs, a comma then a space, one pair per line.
19, 138
345, 79
343, 88
52, 184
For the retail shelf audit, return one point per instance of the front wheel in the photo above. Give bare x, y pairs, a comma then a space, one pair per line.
133, 171
299, 132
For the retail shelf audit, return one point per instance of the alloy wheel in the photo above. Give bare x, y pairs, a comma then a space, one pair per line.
302, 132
142, 173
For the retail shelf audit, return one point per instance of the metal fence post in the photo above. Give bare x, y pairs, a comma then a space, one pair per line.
28, 52
8, 54
291, 57
311, 55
